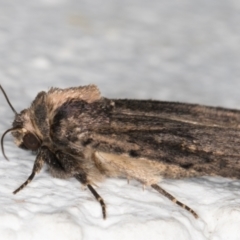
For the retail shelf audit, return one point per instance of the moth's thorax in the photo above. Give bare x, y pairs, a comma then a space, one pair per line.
39, 118
57, 97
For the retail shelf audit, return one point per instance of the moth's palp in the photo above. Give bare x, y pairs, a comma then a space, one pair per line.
2, 138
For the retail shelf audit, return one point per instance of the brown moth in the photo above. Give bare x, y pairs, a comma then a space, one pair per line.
78, 133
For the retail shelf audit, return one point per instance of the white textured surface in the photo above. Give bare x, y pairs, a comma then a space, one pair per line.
171, 50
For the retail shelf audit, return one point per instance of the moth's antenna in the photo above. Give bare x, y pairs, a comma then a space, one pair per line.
2, 138
5, 95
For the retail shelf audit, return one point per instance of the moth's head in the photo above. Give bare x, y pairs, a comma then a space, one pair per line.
24, 133
22, 130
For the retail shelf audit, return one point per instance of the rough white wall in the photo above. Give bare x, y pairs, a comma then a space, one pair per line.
170, 50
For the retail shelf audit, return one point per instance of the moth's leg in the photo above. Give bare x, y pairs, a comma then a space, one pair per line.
173, 199
38, 164
82, 178
99, 199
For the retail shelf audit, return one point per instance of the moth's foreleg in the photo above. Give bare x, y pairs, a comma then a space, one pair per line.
173, 199
38, 164
83, 180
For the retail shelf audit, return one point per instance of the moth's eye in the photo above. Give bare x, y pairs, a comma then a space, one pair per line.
31, 142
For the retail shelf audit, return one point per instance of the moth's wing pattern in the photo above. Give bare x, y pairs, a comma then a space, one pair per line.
183, 139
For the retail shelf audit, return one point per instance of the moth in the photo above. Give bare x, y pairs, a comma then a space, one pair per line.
79, 134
